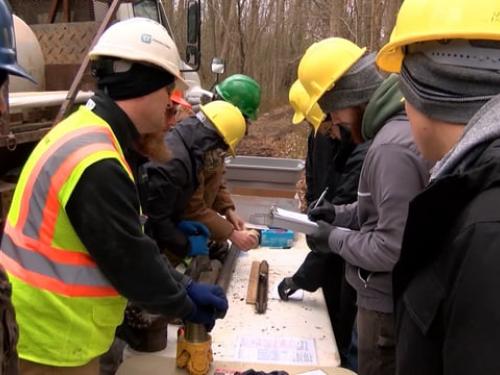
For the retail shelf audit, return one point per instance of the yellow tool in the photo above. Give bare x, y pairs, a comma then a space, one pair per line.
196, 357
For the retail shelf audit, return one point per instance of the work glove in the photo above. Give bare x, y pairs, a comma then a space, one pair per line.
198, 245
190, 227
208, 297
325, 211
202, 315
286, 288
197, 234
318, 240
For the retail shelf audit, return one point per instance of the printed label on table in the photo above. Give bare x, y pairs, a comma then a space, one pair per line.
283, 350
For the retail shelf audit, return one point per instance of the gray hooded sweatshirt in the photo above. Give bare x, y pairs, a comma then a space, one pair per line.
393, 173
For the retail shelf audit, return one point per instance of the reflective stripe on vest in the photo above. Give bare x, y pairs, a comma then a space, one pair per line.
27, 250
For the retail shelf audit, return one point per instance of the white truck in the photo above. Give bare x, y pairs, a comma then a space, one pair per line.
53, 52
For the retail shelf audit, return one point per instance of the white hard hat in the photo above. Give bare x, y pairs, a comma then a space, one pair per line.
141, 40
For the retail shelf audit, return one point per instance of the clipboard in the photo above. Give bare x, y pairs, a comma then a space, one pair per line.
281, 218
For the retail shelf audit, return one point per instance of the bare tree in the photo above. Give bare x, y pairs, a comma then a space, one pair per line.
266, 38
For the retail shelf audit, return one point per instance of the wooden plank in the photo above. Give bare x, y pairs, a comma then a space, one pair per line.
253, 282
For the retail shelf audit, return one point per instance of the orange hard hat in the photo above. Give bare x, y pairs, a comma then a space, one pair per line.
177, 98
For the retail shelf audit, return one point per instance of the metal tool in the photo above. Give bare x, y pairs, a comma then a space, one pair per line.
195, 357
194, 344
262, 288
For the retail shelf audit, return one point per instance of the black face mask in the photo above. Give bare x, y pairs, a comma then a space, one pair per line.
346, 146
138, 81
345, 133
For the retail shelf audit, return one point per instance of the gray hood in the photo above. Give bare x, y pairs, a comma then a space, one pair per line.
483, 127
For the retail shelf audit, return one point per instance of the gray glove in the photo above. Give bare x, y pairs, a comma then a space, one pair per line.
325, 211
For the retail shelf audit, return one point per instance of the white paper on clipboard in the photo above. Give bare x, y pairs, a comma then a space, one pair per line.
295, 221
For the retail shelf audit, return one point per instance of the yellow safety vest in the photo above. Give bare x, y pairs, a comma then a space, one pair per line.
67, 311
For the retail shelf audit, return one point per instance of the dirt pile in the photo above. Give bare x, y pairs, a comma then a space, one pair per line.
273, 134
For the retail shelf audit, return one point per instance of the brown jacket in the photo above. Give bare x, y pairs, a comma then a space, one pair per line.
210, 199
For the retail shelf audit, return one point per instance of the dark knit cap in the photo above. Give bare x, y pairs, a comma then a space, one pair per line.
129, 80
444, 90
355, 87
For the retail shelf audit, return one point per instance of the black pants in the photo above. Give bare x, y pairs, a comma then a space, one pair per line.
327, 271
376, 343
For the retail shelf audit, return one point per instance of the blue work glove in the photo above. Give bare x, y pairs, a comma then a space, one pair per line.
325, 211
210, 301
198, 245
197, 234
202, 315
318, 240
189, 228
207, 295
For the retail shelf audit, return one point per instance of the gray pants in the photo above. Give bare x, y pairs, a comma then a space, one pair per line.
376, 343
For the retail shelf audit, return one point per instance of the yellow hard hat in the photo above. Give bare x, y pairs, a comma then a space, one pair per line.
228, 121
427, 20
299, 100
324, 63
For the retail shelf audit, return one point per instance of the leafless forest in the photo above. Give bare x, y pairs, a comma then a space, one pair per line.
266, 38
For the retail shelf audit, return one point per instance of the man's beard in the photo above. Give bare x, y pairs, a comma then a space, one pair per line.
153, 146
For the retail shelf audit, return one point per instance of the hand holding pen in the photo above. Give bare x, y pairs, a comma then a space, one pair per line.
321, 209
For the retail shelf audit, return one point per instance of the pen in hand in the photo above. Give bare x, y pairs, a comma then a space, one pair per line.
321, 197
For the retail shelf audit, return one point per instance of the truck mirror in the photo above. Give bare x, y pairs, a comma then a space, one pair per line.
218, 65
193, 34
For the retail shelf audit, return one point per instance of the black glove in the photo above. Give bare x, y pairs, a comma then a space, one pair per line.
325, 211
286, 288
318, 240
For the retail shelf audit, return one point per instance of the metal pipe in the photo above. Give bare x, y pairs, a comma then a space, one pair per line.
206, 271
228, 268
262, 288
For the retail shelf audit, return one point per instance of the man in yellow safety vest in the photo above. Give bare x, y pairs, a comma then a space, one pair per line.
73, 245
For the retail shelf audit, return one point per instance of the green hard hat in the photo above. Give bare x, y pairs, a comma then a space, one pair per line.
241, 91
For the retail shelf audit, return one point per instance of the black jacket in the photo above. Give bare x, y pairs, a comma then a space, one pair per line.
169, 186
447, 281
321, 152
104, 211
344, 179
327, 270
